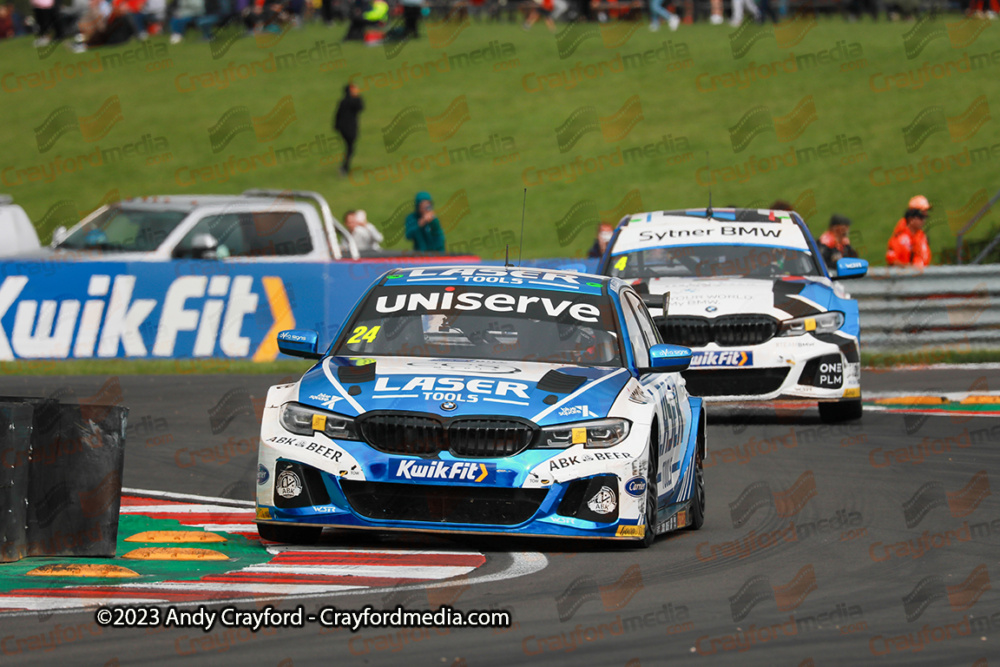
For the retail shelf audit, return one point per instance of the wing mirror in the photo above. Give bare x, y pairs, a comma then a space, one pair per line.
668, 359
299, 343
851, 267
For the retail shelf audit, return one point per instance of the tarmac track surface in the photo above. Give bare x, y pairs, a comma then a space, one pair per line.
868, 543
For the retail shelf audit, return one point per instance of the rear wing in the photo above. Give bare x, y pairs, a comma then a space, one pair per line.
330, 224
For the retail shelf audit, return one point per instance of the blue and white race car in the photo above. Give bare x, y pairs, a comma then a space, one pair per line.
748, 291
485, 400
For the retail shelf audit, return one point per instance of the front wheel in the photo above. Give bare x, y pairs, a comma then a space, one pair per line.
698, 500
842, 411
652, 497
289, 534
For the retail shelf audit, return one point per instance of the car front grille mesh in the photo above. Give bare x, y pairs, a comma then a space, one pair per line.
426, 435
725, 331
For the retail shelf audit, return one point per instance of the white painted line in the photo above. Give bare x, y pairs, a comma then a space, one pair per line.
60, 603
362, 570
186, 496
263, 589
283, 548
184, 509
229, 527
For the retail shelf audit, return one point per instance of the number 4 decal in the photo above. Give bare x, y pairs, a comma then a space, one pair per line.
364, 335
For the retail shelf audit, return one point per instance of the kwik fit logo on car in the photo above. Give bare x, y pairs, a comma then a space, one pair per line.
724, 358
107, 310
457, 471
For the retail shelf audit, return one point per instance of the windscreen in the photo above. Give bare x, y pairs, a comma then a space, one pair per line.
123, 229
479, 322
714, 261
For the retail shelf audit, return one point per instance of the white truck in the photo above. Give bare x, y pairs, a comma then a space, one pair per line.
16, 230
271, 225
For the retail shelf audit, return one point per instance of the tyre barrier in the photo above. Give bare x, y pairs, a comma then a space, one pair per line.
60, 478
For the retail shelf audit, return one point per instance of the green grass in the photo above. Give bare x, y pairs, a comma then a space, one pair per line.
671, 102
672, 105
889, 360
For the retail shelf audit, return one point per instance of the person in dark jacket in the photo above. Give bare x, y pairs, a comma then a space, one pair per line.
345, 122
423, 226
834, 243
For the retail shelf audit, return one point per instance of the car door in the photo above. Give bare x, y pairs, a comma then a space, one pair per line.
657, 386
677, 407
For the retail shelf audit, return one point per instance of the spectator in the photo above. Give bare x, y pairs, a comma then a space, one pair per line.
365, 13
412, 11
604, 233
46, 19
91, 21
364, 233
6, 22
857, 7
656, 11
118, 28
265, 16
423, 226
767, 11
716, 17
976, 9
834, 243
185, 13
541, 8
134, 11
908, 244
739, 6
345, 122
155, 15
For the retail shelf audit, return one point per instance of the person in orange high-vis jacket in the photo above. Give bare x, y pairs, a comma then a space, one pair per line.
908, 243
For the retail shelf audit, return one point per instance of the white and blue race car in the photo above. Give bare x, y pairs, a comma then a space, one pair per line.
748, 291
485, 400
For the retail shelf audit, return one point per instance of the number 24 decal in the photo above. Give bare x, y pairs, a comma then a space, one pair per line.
364, 334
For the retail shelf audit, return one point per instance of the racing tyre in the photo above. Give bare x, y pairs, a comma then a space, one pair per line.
652, 496
289, 534
698, 500
842, 411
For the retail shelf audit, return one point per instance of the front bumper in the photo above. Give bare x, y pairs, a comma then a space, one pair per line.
810, 368
321, 482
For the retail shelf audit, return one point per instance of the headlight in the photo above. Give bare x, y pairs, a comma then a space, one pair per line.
304, 420
822, 323
592, 435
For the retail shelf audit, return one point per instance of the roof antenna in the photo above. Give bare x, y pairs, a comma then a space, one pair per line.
520, 243
708, 164
506, 257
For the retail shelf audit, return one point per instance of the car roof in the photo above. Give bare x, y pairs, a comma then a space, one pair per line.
690, 217
717, 214
191, 202
533, 277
